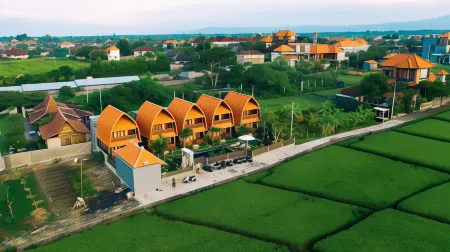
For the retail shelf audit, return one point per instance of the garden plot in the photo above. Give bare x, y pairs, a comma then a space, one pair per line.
145, 232
433, 204
407, 148
390, 231
352, 177
431, 128
443, 116
263, 212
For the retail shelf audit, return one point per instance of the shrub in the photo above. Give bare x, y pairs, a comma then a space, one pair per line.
97, 156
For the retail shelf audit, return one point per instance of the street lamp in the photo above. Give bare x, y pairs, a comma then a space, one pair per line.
81, 173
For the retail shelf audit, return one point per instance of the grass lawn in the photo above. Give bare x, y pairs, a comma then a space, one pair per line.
445, 116
263, 212
439, 67
330, 93
410, 149
11, 132
146, 232
390, 231
431, 128
37, 66
303, 101
21, 206
352, 177
351, 80
433, 203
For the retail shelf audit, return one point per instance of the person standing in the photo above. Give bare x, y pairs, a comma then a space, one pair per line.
173, 183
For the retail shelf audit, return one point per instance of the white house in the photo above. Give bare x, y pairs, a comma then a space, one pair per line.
356, 45
113, 53
142, 50
251, 56
15, 53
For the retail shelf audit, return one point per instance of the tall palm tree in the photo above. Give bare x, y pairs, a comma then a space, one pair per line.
186, 133
159, 145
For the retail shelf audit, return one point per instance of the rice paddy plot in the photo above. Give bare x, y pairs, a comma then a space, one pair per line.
145, 232
389, 231
353, 177
433, 203
265, 213
430, 128
410, 149
443, 116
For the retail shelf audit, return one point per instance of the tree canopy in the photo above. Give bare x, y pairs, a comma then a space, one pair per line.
374, 85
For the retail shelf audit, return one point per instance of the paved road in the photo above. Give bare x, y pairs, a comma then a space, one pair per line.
207, 180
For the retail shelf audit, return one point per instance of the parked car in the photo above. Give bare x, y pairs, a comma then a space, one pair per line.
207, 168
189, 179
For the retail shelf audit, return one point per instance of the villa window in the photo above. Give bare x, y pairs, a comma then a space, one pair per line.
388, 73
198, 120
423, 74
157, 127
216, 118
226, 116
132, 132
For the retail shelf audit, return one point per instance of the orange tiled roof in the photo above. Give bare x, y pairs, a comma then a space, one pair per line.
432, 77
66, 43
290, 57
209, 106
146, 116
54, 127
407, 61
285, 33
442, 72
30, 42
445, 35
237, 103
390, 55
322, 48
112, 48
137, 157
267, 39
251, 52
371, 61
170, 41
337, 38
105, 124
348, 43
284, 48
361, 41
180, 109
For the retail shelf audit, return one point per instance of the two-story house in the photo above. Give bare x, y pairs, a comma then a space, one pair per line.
246, 110
285, 36
189, 115
113, 53
154, 120
408, 68
436, 48
116, 129
218, 114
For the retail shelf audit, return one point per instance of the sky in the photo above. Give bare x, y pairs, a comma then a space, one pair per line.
102, 17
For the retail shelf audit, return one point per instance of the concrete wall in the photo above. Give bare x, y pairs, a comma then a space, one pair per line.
47, 155
147, 178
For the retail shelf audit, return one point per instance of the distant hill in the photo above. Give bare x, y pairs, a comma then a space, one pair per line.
439, 23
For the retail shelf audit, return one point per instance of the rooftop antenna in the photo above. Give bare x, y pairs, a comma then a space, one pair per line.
315, 38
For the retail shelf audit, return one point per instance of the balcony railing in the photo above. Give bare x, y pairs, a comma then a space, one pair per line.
222, 121
252, 116
197, 125
162, 131
128, 137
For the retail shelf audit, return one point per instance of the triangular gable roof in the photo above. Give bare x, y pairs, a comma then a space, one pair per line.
267, 39
407, 61
237, 103
284, 48
137, 157
180, 109
442, 72
445, 35
209, 106
146, 116
49, 105
348, 43
54, 128
66, 43
371, 61
112, 48
105, 124
285, 33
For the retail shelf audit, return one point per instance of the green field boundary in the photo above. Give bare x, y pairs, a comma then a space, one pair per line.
399, 130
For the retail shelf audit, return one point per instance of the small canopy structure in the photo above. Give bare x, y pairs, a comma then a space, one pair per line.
381, 113
246, 138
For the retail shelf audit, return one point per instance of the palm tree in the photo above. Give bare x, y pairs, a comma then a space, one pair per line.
242, 130
159, 145
186, 133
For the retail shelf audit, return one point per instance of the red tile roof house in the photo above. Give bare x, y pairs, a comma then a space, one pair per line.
142, 50
15, 53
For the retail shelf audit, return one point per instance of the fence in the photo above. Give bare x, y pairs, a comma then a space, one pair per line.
230, 155
275, 146
47, 155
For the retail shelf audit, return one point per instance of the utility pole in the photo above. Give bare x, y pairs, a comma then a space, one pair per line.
292, 118
100, 91
174, 95
393, 99
253, 87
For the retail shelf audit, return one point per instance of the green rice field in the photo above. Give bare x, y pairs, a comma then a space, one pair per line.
431, 128
406, 148
351, 80
433, 204
152, 233
302, 101
329, 93
37, 66
263, 212
390, 231
365, 179
443, 116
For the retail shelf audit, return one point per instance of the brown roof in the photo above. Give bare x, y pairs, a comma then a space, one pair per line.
105, 124
209, 106
15, 52
251, 52
146, 116
407, 61
137, 157
49, 105
30, 42
179, 109
54, 128
143, 48
237, 102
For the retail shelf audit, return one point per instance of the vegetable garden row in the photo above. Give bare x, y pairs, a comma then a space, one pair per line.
383, 192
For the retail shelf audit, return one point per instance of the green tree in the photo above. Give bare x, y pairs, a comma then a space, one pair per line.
66, 72
374, 85
22, 37
66, 93
124, 46
214, 57
22, 46
186, 133
60, 52
138, 43
85, 51
243, 130
159, 145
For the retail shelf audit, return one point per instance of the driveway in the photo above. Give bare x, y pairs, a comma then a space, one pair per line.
28, 127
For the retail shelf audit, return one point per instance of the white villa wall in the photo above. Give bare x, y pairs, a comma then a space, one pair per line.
114, 55
147, 178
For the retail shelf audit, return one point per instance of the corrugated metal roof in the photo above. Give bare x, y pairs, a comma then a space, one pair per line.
106, 81
47, 86
12, 88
